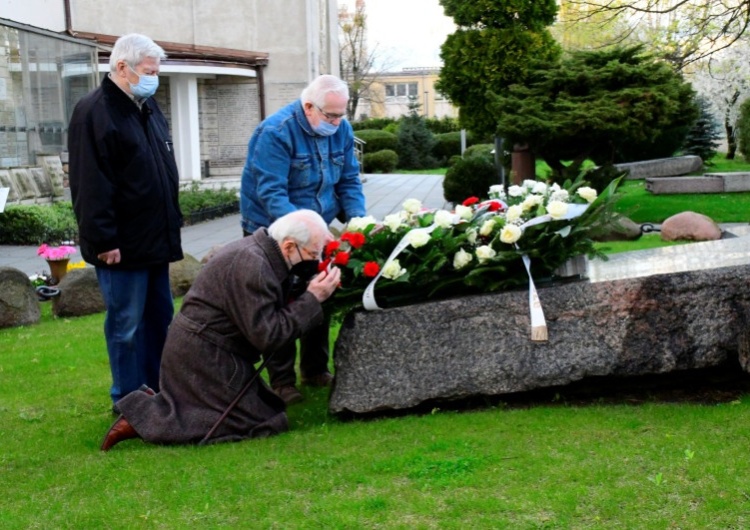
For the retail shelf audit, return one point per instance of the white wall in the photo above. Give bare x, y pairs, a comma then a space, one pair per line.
46, 14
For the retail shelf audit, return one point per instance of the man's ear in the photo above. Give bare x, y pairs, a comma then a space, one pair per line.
287, 246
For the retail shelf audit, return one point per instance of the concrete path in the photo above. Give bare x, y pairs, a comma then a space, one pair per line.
384, 194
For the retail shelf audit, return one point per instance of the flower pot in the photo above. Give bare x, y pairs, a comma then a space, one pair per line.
58, 268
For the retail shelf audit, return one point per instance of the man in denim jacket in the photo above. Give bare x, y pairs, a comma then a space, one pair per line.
303, 157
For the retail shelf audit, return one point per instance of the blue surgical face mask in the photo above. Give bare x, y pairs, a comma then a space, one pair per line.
325, 129
146, 86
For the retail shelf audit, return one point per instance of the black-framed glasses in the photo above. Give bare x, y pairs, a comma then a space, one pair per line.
328, 115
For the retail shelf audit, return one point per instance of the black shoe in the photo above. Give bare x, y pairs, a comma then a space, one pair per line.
322, 379
289, 394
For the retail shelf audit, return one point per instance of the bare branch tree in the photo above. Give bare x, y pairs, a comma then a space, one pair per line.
690, 30
357, 62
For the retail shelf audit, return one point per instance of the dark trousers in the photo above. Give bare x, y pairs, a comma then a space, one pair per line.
313, 358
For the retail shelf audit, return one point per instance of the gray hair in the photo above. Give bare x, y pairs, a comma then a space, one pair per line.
133, 49
301, 225
321, 86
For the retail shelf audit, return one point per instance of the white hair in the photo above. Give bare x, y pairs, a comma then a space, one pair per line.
133, 48
303, 226
321, 86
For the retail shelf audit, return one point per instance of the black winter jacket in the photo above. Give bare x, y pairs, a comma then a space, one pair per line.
123, 179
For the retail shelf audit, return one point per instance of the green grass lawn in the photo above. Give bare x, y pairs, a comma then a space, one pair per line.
549, 465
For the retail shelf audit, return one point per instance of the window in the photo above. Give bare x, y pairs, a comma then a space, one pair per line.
401, 90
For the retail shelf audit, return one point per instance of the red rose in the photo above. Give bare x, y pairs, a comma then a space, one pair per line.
331, 248
341, 258
494, 206
355, 239
470, 201
323, 265
371, 269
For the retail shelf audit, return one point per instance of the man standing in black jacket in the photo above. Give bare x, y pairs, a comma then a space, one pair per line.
124, 184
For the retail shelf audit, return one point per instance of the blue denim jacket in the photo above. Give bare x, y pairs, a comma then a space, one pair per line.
290, 167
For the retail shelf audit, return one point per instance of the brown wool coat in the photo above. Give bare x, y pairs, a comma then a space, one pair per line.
234, 312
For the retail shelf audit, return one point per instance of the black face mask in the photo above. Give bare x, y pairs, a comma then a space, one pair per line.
301, 273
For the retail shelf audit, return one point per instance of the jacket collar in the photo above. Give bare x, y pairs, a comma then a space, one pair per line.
299, 114
272, 251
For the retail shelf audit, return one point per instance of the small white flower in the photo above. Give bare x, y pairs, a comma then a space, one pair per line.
587, 193
464, 212
417, 238
471, 235
497, 191
461, 259
559, 195
444, 218
487, 227
514, 213
485, 253
557, 209
539, 187
358, 224
529, 184
412, 205
510, 234
517, 191
393, 221
554, 187
393, 270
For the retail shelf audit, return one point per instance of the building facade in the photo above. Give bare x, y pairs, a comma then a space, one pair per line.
392, 94
228, 67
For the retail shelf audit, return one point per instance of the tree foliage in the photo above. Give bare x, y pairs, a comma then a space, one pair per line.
495, 45
610, 106
703, 138
415, 141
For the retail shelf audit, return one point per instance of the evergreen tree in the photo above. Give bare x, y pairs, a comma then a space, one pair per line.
415, 141
703, 138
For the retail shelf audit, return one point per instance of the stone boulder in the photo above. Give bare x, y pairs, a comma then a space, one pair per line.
662, 167
620, 228
79, 294
690, 226
480, 345
18, 302
182, 274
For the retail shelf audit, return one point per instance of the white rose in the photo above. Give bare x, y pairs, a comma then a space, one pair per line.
461, 259
517, 191
539, 187
412, 205
529, 184
393, 221
464, 212
587, 193
485, 252
497, 191
510, 234
514, 213
532, 201
358, 224
554, 187
417, 238
471, 236
393, 270
557, 209
487, 227
444, 218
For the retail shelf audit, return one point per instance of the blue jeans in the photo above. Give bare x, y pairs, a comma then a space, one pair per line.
139, 310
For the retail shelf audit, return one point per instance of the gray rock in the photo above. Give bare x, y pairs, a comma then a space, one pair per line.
620, 228
662, 167
690, 226
480, 345
182, 274
18, 302
79, 294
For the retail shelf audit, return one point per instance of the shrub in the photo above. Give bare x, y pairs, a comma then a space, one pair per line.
199, 205
384, 161
442, 125
452, 161
446, 146
34, 224
743, 126
469, 177
377, 140
392, 128
373, 123
484, 150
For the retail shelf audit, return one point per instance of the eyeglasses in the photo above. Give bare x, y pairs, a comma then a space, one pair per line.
328, 115
314, 255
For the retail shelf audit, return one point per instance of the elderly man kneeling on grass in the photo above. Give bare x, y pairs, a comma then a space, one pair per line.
253, 297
